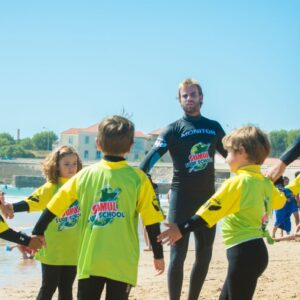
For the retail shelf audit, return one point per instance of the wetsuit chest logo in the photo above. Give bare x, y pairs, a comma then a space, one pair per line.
199, 157
106, 210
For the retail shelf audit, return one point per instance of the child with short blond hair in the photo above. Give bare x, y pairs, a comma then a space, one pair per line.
111, 195
245, 202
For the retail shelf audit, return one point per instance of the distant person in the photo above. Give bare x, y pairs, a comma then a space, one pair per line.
297, 197
192, 142
169, 196
245, 202
111, 195
288, 157
293, 187
8, 234
283, 215
293, 206
58, 260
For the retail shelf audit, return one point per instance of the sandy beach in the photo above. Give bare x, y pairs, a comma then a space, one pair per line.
280, 280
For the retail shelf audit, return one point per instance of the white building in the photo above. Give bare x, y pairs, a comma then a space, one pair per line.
84, 141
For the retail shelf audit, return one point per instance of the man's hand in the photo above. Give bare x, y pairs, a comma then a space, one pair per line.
276, 171
171, 235
159, 266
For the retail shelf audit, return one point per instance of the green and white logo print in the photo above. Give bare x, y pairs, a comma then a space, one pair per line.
69, 218
106, 209
198, 158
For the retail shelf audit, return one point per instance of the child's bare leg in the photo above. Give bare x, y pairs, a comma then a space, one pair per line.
296, 216
289, 237
274, 232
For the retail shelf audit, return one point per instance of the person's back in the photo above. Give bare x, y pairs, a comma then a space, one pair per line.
111, 194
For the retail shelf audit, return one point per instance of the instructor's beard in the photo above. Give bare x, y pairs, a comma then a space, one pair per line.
190, 110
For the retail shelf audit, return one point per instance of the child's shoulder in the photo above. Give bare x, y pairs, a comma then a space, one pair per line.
234, 183
48, 185
139, 172
235, 179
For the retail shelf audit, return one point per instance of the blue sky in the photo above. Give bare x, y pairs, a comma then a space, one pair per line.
68, 63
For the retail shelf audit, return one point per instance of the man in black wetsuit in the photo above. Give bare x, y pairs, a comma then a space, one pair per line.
285, 159
192, 142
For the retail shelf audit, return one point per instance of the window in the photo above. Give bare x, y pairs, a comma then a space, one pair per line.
98, 155
86, 154
86, 139
70, 140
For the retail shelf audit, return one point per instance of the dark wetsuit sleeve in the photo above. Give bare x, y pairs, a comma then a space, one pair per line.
159, 148
191, 224
292, 153
43, 222
15, 237
157, 248
219, 145
21, 206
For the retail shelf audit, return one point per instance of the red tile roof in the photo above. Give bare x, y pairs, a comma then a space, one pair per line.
156, 132
92, 128
140, 134
72, 131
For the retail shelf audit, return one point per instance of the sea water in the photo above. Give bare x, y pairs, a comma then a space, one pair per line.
13, 269
11, 264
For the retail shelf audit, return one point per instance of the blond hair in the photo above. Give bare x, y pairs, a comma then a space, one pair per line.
115, 135
50, 165
252, 139
187, 83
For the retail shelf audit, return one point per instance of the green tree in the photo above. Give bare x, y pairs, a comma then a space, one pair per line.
6, 139
13, 151
292, 135
26, 144
44, 140
279, 142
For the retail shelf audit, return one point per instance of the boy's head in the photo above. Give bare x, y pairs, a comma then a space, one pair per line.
286, 180
279, 183
252, 140
115, 135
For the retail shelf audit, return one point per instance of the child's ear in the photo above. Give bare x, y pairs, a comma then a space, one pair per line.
242, 150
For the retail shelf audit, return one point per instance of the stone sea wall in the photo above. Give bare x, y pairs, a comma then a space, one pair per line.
28, 172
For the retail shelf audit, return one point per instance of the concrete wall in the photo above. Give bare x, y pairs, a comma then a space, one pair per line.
161, 173
20, 181
26, 167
